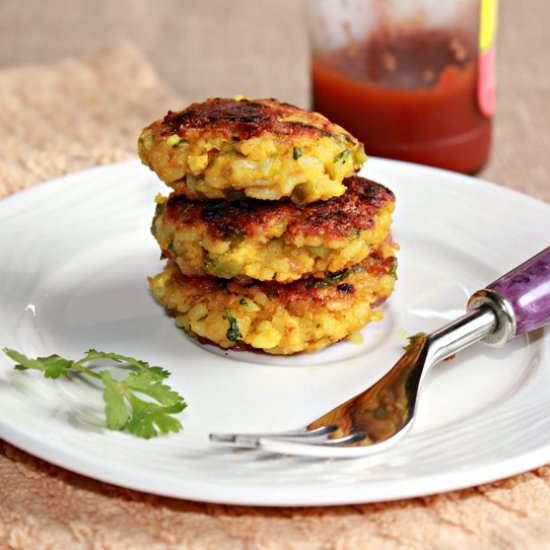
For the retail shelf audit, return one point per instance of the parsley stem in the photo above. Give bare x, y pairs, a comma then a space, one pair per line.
78, 365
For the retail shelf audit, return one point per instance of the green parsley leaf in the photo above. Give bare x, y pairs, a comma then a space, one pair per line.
233, 332
52, 366
94, 355
328, 280
342, 156
149, 418
117, 413
296, 153
141, 403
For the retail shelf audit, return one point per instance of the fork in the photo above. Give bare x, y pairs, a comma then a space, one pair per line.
514, 304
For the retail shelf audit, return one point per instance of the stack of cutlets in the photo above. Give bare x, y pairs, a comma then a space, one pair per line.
273, 243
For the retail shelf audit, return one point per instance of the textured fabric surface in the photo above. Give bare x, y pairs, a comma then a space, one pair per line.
77, 114
54, 121
215, 48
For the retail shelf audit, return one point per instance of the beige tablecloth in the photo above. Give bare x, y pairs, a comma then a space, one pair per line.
78, 113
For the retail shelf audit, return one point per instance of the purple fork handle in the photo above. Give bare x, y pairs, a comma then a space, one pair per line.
520, 299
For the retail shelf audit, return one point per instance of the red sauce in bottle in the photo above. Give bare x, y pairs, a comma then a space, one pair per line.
411, 97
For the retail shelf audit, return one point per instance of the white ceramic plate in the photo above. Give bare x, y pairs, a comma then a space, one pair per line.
75, 255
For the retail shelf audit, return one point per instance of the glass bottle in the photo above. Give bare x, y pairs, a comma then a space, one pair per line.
413, 80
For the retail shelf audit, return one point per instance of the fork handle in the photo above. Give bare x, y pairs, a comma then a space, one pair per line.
520, 299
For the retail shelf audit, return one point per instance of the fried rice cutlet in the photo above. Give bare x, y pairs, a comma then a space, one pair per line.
262, 149
305, 315
267, 240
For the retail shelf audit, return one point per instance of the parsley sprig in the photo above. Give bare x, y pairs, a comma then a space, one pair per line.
124, 408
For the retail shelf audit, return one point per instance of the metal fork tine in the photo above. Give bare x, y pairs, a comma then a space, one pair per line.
329, 448
317, 432
252, 440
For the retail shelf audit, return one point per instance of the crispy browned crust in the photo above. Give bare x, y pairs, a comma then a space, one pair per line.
339, 217
317, 292
245, 119
343, 216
